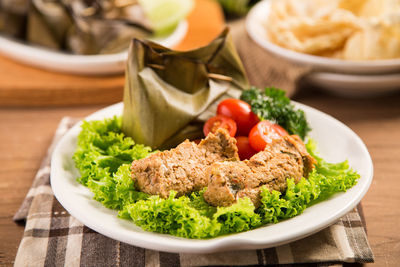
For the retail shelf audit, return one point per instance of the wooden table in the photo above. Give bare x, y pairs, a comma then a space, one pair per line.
25, 134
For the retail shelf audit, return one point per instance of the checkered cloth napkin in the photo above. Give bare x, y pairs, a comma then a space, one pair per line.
54, 238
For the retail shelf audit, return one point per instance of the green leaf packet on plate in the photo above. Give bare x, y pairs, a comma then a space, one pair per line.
169, 94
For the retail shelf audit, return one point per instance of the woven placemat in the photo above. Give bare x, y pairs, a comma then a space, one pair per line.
52, 237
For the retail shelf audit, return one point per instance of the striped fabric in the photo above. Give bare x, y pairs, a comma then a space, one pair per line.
54, 238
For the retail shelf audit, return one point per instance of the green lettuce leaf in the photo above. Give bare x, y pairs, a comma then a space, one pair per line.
103, 157
170, 216
237, 218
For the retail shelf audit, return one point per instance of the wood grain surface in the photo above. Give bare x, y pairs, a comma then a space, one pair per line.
22, 85
25, 134
32, 102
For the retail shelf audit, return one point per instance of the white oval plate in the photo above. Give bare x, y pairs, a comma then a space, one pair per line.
78, 64
336, 142
255, 27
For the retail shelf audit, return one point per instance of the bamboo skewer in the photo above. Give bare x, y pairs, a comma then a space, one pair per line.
91, 10
155, 66
215, 76
125, 3
219, 77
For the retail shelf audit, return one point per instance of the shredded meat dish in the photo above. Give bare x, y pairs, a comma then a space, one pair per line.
184, 168
214, 163
284, 158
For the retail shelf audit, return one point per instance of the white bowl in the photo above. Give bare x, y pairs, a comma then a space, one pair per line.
255, 27
353, 85
78, 64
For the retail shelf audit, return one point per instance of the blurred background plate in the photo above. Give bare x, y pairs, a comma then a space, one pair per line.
355, 85
78, 64
255, 26
23, 85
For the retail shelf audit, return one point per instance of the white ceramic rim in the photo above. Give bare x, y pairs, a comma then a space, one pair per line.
271, 235
355, 85
257, 32
78, 64
354, 78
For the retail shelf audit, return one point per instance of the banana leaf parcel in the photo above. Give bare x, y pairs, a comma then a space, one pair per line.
169, 94
48, 23
77, 26
105, 28
13, 17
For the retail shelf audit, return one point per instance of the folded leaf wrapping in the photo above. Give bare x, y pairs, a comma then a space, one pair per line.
13, 16
97, 36
78, 26
169, 94
48, 23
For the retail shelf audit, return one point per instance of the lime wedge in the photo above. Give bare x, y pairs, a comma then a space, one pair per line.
165, 15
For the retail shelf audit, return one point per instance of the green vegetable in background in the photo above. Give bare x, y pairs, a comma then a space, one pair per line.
272, 104
165, 15
236, 7
103, 158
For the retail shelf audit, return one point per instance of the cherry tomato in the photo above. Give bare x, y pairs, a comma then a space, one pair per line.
220, 121
263, 133
244, 149
240, 112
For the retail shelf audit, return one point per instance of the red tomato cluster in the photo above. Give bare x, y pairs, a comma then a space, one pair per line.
252, 135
